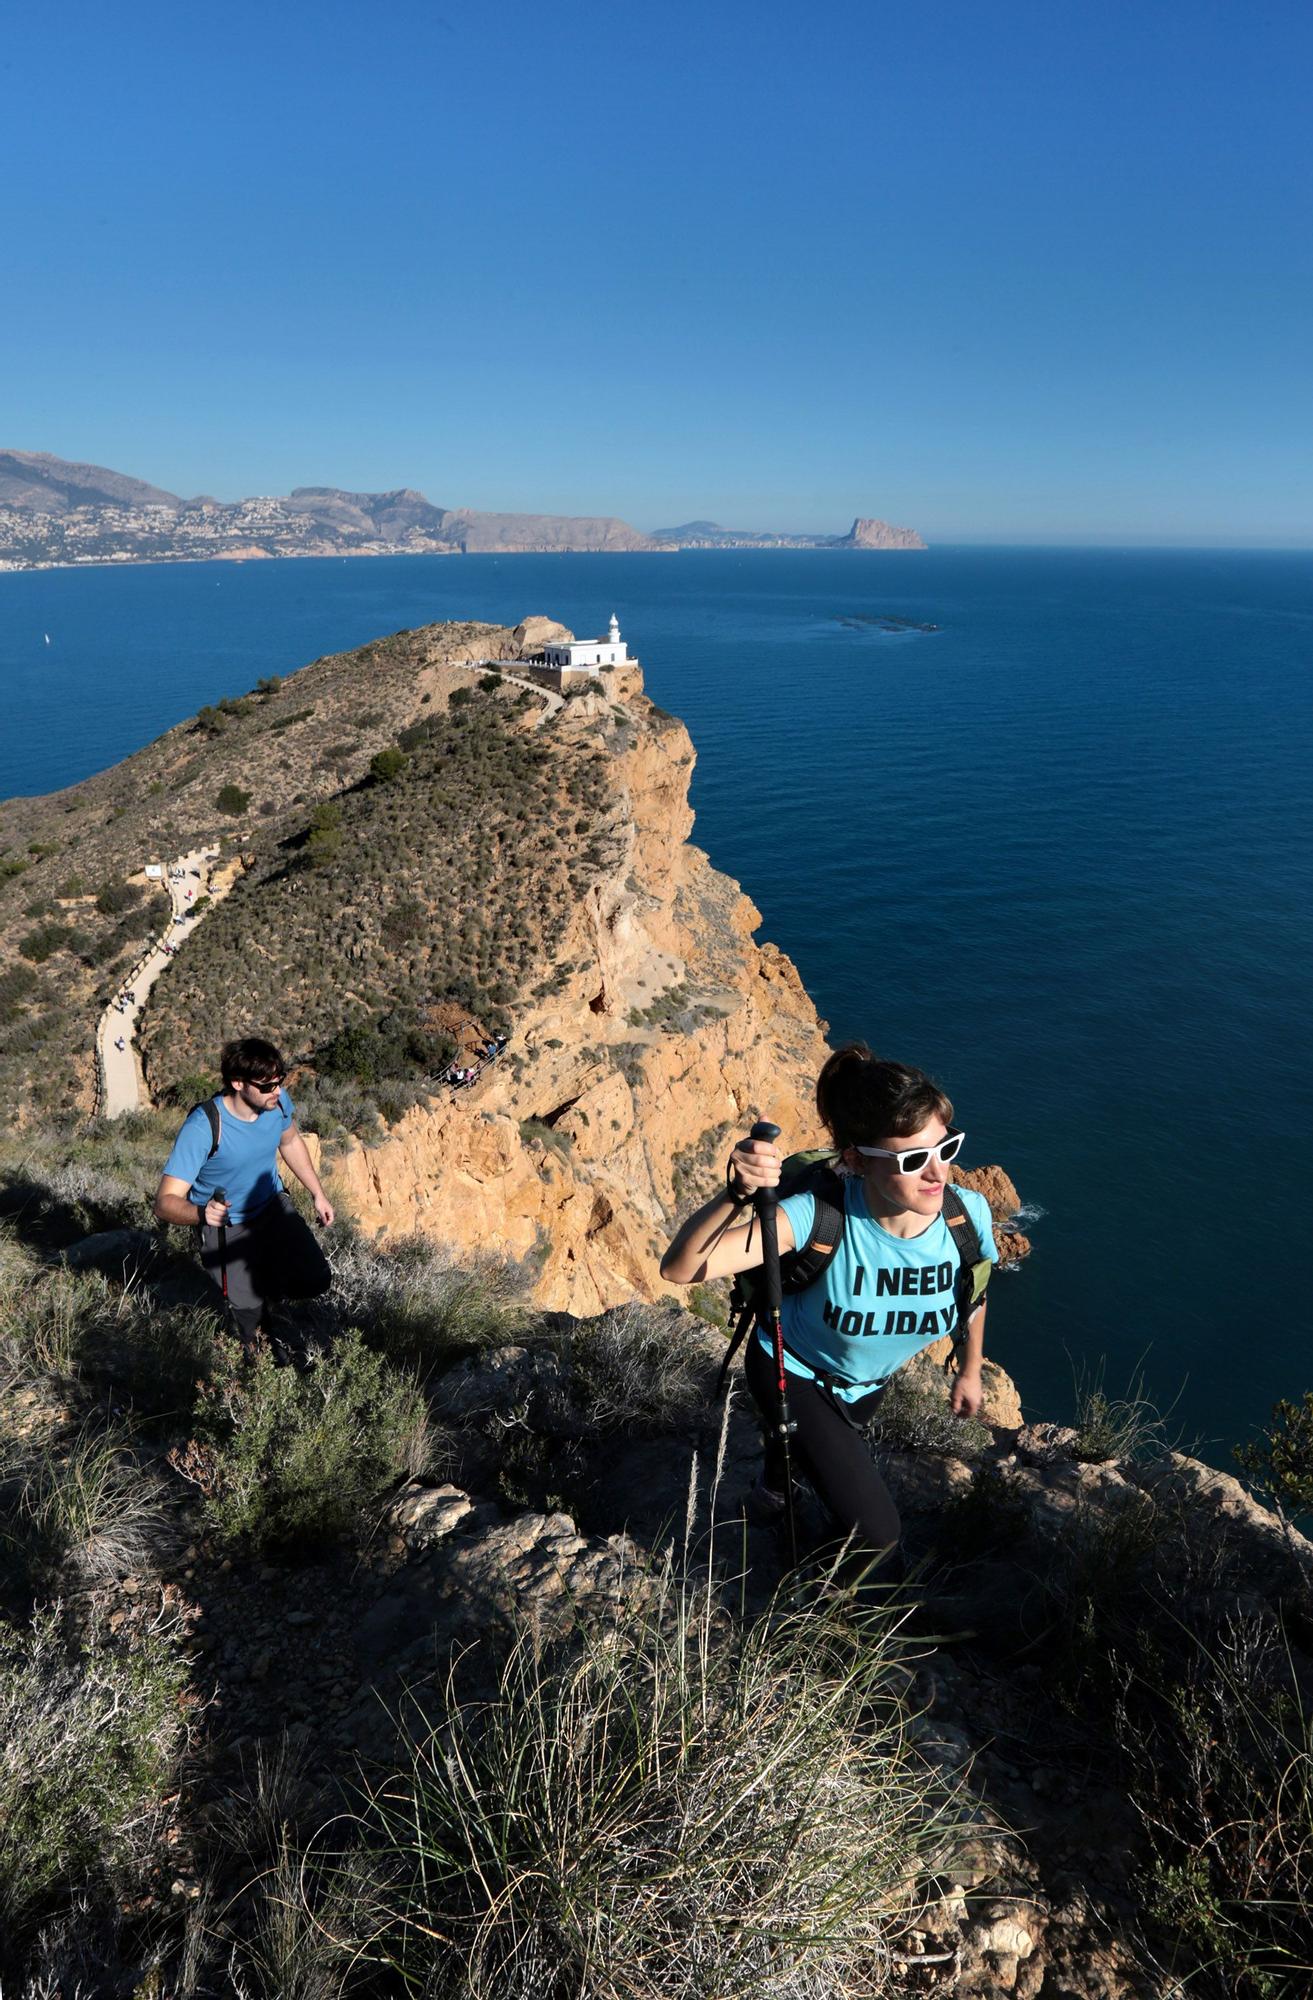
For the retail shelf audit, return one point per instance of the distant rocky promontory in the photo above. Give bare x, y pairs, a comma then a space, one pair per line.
54, 511
863, 534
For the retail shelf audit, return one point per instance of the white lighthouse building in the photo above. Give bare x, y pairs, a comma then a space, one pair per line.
588, 655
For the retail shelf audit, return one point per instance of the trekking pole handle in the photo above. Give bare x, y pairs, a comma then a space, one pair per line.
764, 1197
764, 1202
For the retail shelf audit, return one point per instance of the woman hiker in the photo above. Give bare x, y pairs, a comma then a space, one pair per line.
891, 1287
254, 1246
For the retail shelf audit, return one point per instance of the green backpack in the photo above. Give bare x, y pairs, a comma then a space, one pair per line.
814, 1173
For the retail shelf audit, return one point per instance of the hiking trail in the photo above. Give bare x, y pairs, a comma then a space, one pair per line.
122, 1084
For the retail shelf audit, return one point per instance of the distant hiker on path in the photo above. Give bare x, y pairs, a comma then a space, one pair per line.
254, 1247
879, 1256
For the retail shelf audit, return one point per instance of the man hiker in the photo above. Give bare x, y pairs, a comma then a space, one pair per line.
222, 1179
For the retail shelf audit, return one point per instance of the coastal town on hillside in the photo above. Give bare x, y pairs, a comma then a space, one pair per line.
56, 512
197, 532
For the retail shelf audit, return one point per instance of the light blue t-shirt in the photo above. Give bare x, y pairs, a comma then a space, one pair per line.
883, 1298
246, 1164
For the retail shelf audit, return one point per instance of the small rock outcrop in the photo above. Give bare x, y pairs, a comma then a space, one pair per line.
879, 535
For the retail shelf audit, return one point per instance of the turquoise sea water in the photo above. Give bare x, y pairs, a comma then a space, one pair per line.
1056, 850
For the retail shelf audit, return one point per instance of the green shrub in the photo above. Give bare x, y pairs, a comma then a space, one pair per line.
192, 1088
83, 1512
306, 1459
385, 765
422, 1309
323, 845
460, 697
151, 1355
1281, 1461
908, 1418
1218, 1741
641, 1369
1112, 1428
16, 983
113, 898
534, 1130
710, 1302
673, 1806
232, 799
90, 1742
369, 1052
289, 721
50, 1320
990, 1515
42, 943
268, 684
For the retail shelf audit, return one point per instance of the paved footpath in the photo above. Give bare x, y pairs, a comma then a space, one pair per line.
124, 1089
552, 703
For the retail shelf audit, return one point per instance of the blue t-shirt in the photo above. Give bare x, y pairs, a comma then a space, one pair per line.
883, 1298
246, 1164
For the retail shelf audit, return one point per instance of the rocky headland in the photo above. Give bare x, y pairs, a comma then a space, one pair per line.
647, 1025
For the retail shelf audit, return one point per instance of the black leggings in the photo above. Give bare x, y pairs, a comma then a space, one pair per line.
828, 1447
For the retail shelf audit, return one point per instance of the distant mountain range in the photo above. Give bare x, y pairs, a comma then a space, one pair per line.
54, 511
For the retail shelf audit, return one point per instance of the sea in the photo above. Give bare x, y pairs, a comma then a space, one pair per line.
1033, 819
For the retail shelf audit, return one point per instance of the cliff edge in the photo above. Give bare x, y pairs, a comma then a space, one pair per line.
667, 1030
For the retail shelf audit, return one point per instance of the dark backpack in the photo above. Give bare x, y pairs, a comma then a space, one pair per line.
814, 1173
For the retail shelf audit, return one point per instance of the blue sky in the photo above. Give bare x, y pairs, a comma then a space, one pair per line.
1020, 272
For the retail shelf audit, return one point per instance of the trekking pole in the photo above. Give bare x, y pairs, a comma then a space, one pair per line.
764, 1202
221, 1194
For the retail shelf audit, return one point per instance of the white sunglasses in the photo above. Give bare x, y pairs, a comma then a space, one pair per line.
919, 1156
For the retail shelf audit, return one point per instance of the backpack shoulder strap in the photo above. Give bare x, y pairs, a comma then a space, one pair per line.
813, 1258
966, 1237
214, 1120
973, 1268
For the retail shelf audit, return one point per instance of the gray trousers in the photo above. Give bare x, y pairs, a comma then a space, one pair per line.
273, 1255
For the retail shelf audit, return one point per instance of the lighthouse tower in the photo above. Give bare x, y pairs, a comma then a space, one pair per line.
615, 630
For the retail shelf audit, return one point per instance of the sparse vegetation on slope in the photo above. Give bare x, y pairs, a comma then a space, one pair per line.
447, 879
246, 772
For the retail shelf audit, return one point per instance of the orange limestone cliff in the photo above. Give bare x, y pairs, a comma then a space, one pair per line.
665, 1032
668, 1032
